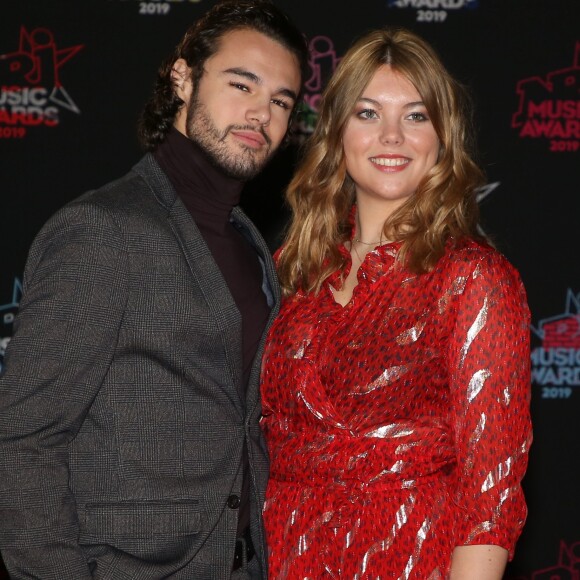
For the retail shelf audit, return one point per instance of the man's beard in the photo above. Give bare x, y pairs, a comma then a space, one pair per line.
242, 163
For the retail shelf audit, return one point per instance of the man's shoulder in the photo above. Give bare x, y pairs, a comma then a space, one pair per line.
124, 204
130, 189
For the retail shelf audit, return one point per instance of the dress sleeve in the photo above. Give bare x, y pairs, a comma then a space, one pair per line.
64, 339
489, 371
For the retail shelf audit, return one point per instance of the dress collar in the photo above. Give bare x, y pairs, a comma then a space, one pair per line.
376, 263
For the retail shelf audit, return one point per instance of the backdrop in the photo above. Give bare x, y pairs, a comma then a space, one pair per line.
75, 74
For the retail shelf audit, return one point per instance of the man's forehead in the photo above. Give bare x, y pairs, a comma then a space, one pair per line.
246, 48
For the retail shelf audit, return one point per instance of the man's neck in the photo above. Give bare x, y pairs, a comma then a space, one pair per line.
207, 192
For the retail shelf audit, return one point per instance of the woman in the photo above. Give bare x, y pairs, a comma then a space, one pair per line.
396, 377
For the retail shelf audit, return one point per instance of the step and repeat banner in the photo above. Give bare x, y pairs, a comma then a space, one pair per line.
74, 76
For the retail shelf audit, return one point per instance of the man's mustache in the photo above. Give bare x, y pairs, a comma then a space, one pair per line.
259, 129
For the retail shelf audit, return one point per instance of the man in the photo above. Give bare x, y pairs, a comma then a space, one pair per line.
129, 406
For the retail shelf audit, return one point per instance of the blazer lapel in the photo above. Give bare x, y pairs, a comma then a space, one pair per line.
204, 269
271, 289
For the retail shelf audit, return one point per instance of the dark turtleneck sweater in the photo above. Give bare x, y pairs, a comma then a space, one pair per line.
210, 196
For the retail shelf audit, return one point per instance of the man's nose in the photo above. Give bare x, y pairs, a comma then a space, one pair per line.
259, 112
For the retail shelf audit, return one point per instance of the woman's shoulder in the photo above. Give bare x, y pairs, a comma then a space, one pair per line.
476, 269
469, 256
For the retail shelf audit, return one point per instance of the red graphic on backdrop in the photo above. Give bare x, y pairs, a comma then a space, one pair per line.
323, 61
562, 329
565, 332
556, 364
567, 568
549, 107
31, 92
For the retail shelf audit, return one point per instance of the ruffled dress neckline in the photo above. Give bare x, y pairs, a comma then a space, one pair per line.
376, 264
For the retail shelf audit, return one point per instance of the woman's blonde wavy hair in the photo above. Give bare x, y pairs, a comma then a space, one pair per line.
321, 194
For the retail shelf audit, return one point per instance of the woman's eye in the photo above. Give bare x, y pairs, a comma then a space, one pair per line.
367, 114
418, 117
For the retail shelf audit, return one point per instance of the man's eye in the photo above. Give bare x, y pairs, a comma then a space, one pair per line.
281, 103
240, 86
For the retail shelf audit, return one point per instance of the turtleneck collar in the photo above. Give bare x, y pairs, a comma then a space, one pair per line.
208, 194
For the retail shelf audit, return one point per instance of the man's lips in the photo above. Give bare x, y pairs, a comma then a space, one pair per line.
252, 139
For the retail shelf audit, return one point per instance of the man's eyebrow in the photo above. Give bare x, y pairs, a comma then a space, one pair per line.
288, 93
242, 72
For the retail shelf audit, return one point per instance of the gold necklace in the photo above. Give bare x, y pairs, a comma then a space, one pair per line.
367, 243
355, 240
356, 252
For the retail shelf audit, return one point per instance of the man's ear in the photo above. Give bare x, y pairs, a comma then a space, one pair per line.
181, 80
183, 87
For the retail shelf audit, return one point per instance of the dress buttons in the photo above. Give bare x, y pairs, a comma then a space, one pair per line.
234, 502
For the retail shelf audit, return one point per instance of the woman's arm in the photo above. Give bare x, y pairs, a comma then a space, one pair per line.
483, 562
489, 364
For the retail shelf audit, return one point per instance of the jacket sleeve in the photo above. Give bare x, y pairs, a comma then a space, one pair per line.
64, 339
489, 366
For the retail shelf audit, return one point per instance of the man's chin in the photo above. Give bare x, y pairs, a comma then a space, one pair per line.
241, 174
243, 170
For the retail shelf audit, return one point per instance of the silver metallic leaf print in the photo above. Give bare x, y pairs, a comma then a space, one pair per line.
474, 330
455, 289
421, 535
412, 334
494, 477
401, 519
386, 378
476, 383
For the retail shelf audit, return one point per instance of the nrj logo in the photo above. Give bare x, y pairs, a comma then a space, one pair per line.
549, 107
567, 568
7, 314
323, 61
159, 7
31, 93
556, 364
433, 10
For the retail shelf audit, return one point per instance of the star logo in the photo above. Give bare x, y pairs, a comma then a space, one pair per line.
38, 62
561, 330
481, 193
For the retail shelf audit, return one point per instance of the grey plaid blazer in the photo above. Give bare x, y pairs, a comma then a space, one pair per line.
121, 424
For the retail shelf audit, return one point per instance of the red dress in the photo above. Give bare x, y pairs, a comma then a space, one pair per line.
398, 426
